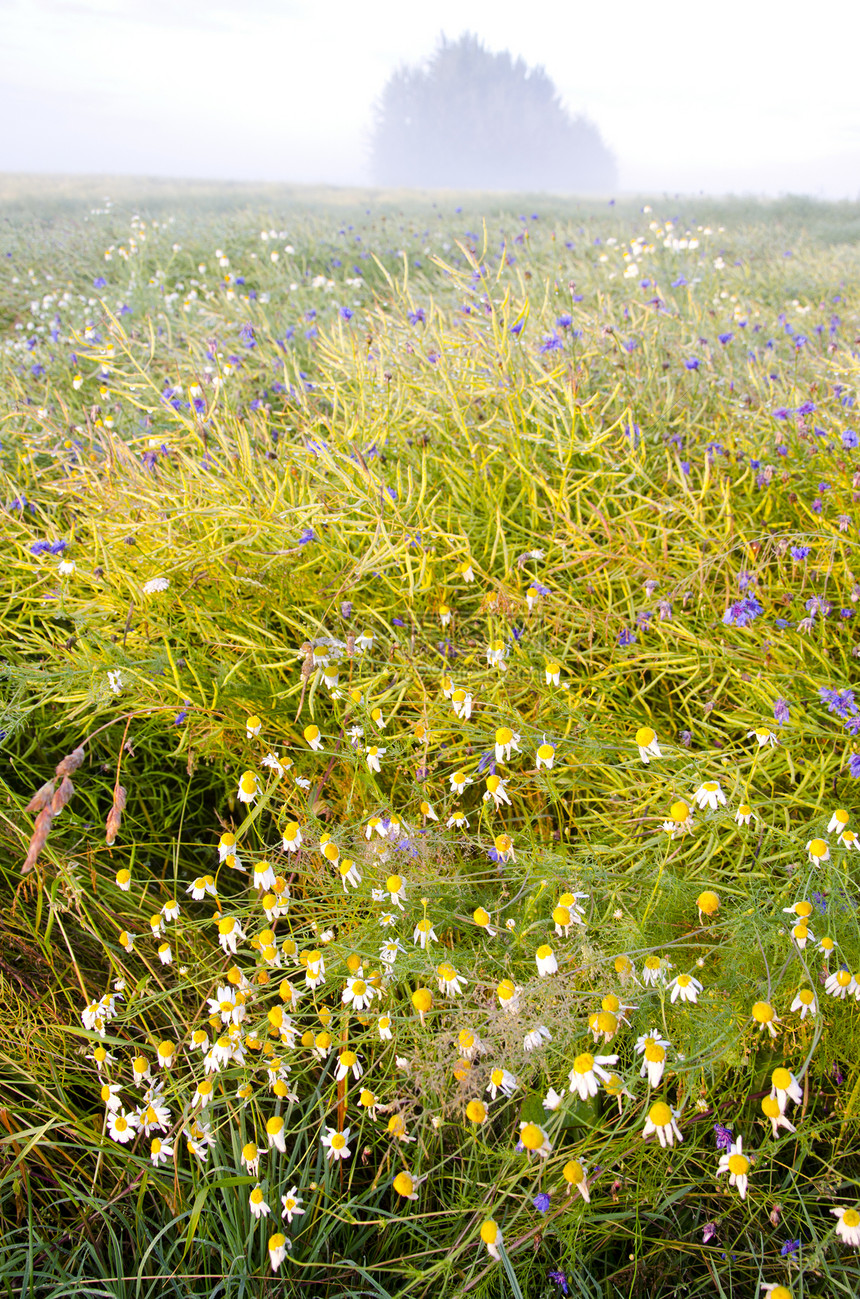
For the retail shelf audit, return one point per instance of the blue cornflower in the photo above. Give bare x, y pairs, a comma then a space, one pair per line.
799, 553
346, 313
743, 612
180, 717
564, 322
780, 711
517, 328
417, 317
626, 637
680, 283
790, 1247
808, 406
850, 439
346, 609
551, 343
746, 579
685, 467
816, 605
308, 534
40, 548
560, 1280
99, 282
724, 1136
840, 702
820, 900
691, 363
397, 622
854, 766
725, 338
487, 762
541, 1202
782, 412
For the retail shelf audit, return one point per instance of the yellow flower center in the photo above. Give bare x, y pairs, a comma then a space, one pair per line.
660, 1114
394, 884
481, 917
583, 1063
708, 903
851, 1218
656, 1054
561, 916
476, 1111
763, 1012
738, 1165
573, 1172
506, 989
817, 847
489, 1232
338, 1141
532, 1137
781, 1079
679, 813
770, 1107
403, 1184
504, 735
543, 951
645, 736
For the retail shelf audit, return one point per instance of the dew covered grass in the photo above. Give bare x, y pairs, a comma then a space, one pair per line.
430, 746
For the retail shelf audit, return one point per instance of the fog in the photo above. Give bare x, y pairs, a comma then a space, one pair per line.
739, 98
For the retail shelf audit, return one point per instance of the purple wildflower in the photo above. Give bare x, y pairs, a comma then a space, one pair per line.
799, 553
560, 1280
840, 702
626, 637
790, 1247
724, 1136
541, 1202
780, 711
742, 612
854, 766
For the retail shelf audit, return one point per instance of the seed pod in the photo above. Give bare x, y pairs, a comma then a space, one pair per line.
71, 762
115, 814
40, 834
62, 796
41, 798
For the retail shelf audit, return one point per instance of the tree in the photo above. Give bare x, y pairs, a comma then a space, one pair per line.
471, 119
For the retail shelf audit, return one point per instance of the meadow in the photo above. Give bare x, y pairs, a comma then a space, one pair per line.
429, 743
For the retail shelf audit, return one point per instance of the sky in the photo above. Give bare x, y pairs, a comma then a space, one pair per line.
748, 96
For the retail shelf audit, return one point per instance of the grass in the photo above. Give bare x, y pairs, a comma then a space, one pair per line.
599, 480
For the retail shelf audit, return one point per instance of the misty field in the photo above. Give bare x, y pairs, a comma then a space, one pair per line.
430, 729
